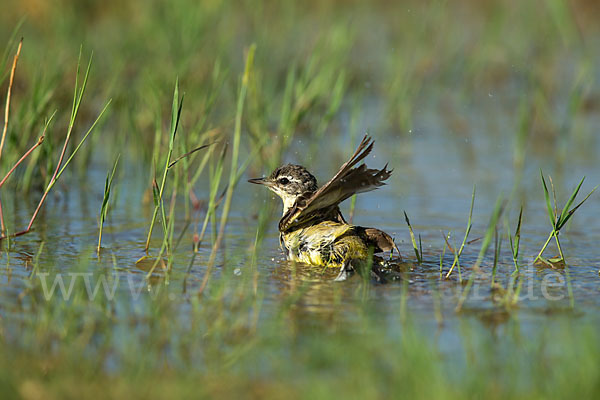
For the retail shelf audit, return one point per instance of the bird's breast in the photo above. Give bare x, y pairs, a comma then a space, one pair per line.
324, 244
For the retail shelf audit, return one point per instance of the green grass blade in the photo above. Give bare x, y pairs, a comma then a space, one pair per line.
565, 210
237, 133
412, 239
108, 184
548, 204
104, 209
189, 153
82, 141
497, 251
572, 211
464, 242
499, 207
489, 234
518, 235
177, 106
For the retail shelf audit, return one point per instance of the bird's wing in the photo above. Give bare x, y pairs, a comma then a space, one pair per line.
348, 181
380, 240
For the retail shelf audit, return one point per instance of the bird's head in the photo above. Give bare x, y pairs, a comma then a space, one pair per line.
289, 182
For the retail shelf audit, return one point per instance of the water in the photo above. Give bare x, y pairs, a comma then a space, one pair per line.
434, 172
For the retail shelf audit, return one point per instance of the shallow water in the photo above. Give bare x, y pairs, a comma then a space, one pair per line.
434, 171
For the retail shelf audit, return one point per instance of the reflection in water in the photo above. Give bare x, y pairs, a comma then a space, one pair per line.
155, 267
311, 293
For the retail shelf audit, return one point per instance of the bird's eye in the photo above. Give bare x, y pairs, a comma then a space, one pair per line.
284, 181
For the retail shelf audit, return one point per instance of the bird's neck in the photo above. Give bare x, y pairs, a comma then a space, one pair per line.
288, 203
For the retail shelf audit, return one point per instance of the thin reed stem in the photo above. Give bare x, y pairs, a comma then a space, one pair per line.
5, 128
498, 209
560, 252
539, 256
35, 146
234, 163
175, 116
456, 262
8, 95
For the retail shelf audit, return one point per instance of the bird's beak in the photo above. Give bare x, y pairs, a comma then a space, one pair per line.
260, 181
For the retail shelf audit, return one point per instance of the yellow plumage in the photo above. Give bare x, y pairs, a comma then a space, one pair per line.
327, 244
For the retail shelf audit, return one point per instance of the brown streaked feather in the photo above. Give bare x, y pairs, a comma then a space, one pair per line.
345, 183
357, 180
380, 240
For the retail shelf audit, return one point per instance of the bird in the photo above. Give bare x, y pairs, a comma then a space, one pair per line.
312, 229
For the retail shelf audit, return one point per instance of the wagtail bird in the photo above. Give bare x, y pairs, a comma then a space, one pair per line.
313, 230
